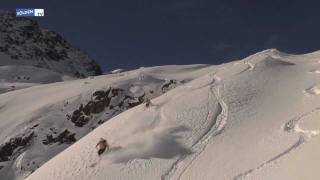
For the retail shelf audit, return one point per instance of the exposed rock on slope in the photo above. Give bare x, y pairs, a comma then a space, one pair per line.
114, 99
14, 145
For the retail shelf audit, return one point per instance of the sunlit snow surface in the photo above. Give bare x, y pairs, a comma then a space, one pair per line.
257, 118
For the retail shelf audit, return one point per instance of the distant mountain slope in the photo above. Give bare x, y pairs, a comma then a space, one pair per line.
23, 42
257, 118
14, 77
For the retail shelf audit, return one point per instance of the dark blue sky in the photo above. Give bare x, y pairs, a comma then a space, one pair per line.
129, 34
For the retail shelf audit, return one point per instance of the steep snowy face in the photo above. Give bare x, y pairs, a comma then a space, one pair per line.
39, 122
257, 118
23, 42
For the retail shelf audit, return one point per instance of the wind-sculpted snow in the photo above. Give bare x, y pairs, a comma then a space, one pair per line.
271, 62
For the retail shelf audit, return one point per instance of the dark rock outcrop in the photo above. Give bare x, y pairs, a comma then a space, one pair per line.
65, 137
101, 100
14, 145
169, 85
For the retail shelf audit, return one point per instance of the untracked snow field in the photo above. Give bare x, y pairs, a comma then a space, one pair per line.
256, 118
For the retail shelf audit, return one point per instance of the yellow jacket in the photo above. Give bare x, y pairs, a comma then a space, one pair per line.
103, 145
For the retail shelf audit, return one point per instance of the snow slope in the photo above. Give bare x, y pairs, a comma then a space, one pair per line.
257, 118
13, 77
39, 122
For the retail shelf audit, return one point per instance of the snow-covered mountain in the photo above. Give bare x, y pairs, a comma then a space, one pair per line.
23, 42
14, 77
37, 123
256, 118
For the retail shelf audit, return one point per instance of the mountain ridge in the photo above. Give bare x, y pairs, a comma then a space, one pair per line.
24, 42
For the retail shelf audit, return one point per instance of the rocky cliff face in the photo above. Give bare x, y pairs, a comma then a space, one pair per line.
24, 42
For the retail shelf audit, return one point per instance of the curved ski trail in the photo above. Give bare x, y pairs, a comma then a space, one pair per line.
218, 123
290, 127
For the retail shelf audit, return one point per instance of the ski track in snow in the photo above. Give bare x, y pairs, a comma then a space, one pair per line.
289, 127
217, 126
291, 148
250, 66
314, 90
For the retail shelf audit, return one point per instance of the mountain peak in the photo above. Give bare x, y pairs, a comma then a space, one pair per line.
24, 42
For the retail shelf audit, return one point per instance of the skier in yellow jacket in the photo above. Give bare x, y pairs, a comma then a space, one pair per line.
102, 146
